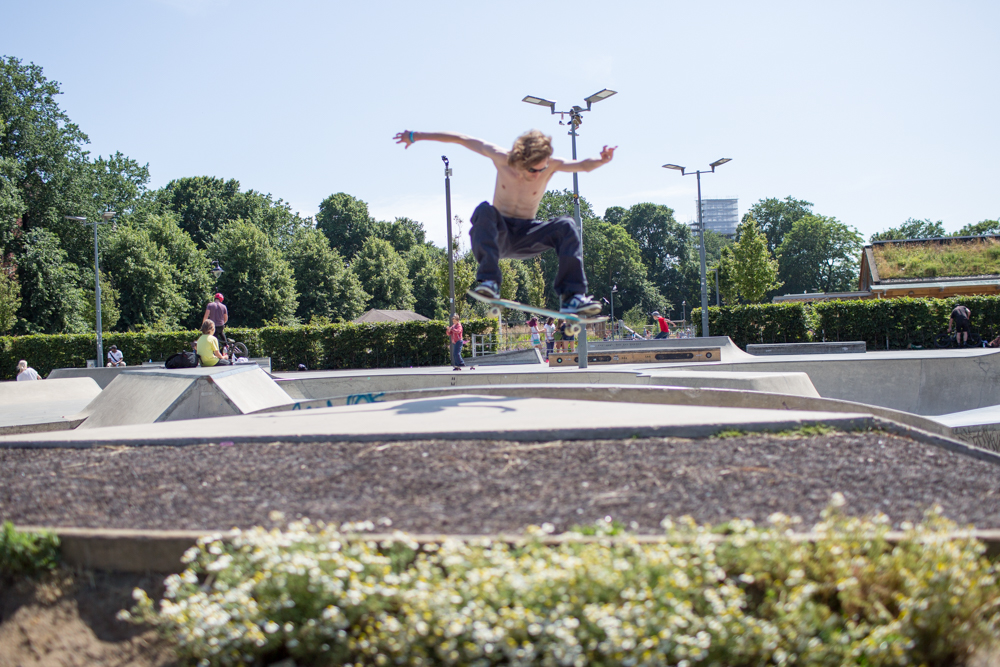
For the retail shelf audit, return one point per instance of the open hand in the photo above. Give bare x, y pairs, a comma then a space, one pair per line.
608, 153
404, 138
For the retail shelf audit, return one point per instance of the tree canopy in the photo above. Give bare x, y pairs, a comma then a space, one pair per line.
821, 254
775, 217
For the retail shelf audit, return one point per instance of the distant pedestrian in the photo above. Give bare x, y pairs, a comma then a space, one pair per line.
219, 315
550, 336
664, 325
115, 357
25, 372
455, 335
960, 320
536, 334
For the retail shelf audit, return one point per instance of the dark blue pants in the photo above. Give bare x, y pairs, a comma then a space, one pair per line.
456, 353
495, 237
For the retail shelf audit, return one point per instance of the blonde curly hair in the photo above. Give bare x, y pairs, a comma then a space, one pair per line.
529, 149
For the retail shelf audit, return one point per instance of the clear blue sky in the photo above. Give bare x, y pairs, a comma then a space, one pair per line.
874, 111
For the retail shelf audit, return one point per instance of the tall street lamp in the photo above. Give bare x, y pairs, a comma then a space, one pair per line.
451, 250
701, 237
105, 218
575, 119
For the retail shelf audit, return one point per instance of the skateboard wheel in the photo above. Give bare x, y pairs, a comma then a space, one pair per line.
575, 329
494, 312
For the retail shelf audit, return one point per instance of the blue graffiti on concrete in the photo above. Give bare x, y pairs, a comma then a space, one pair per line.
298, 406
355, 399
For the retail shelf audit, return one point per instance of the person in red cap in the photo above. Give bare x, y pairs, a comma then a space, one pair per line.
219, 315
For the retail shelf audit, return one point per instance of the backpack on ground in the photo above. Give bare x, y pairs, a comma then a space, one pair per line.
181, 360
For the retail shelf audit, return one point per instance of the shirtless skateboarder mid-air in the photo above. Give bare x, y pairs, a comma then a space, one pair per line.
508, 229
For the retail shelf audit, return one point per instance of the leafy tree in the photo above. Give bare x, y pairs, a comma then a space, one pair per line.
383, 275
819, 254
205, 204
346, 222
326, 286
753, 269
613, 258
403, 234
51, 298
465, 276
10, 297
980, 228
258, 282
556, 203
189, 266
422, 263
664, 246
110, 312
912, 229
11, 202
615, 215
43, 143
775, 217
143, 275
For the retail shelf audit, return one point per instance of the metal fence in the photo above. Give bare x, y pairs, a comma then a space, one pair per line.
518, 337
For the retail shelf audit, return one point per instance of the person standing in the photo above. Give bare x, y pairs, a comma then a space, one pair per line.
219, 315
960, 320
536, 334
550, 336
455, 334
25, 372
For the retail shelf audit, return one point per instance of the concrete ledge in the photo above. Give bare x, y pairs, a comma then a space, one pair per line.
851, 347
529, 356
160, 551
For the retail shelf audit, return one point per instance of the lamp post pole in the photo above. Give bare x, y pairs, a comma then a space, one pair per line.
105, 218
575, 119
701, 237
451, 249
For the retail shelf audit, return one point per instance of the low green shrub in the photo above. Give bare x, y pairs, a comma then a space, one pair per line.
27, 553
368, 345
750, 596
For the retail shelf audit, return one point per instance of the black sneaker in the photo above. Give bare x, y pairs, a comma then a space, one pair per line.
488, 288
580, 304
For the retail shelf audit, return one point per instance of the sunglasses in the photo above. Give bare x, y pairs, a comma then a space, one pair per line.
532, 170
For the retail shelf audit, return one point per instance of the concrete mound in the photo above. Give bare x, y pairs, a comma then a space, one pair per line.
27, 407
144, 396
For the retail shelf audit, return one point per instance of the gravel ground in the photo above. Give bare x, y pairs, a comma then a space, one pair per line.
482, 486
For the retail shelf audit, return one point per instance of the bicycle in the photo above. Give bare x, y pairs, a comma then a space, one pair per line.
950, 340
235, 350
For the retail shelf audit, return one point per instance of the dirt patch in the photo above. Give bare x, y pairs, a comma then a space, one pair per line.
483, 486
68, 619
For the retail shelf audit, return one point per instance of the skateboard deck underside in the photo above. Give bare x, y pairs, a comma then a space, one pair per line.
515, 305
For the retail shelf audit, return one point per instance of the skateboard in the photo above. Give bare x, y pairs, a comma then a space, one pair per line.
577, 322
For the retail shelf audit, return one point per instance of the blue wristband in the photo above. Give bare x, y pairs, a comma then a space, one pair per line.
411, 136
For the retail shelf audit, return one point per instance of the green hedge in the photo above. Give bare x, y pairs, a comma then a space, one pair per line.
895, 324
369, 345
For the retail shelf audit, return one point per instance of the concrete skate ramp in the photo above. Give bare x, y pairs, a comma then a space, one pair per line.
44, 405
730, 350
662, 395
981, 427
320, 385
924, 382
145, 397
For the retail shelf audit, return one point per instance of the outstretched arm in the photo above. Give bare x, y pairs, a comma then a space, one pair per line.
485, 148
590, 164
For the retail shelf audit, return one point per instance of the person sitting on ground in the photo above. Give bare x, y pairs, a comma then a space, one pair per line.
208, 347
25, 372
664, 325
960, 317
994, 343
115, 357
219, 315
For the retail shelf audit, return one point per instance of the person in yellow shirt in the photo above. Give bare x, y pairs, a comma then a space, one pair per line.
208, 346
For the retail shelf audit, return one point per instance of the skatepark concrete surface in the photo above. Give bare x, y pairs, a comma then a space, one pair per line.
905, 387
146, 396
44, 405
461, 416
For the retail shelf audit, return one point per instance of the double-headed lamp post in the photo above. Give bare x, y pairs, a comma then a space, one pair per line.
701, 237
451, 249
105, 218
575, 119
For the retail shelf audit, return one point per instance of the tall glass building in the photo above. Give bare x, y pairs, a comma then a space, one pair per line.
720, 215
